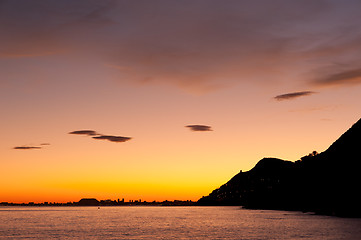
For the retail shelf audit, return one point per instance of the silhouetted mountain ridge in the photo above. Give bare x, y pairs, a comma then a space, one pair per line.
326, 183
348, 144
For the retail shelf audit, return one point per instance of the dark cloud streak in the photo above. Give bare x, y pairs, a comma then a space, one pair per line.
113, 138
26, 148
342, 77
199, 128
84, 132
291, 96
99, 136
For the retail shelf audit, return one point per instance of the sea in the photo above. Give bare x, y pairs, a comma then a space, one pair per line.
144, 222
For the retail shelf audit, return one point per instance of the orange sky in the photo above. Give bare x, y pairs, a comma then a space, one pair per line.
146, 70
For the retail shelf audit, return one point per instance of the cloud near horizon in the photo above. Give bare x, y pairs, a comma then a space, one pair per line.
99, 136
113, 138
198, 46
199, 128
27, 148
31, 147
85, 132
293, 95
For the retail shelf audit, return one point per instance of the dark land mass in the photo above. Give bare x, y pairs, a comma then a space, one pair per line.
326, 183
108, 202
95, 202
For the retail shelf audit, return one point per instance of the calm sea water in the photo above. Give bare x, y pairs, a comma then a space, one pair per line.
170, 223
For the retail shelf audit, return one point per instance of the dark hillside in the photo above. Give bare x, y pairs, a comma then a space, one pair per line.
327, 183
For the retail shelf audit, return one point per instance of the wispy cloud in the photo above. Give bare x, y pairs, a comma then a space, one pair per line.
26, 147
84, 132
341, 77
31, 147
199, 128
160, 42
316, 108
99, 136
293, 95
113, 138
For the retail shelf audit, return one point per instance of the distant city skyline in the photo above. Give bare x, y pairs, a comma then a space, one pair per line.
106, 202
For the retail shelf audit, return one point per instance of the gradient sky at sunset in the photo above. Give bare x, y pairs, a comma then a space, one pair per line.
175, 96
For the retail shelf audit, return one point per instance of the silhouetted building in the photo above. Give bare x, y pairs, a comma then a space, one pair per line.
88, 202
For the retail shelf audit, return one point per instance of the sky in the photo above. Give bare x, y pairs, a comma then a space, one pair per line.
163, 99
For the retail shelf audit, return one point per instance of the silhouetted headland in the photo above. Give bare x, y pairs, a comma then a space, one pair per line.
326, 183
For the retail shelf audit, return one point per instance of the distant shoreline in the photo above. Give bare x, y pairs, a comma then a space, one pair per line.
103, 203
